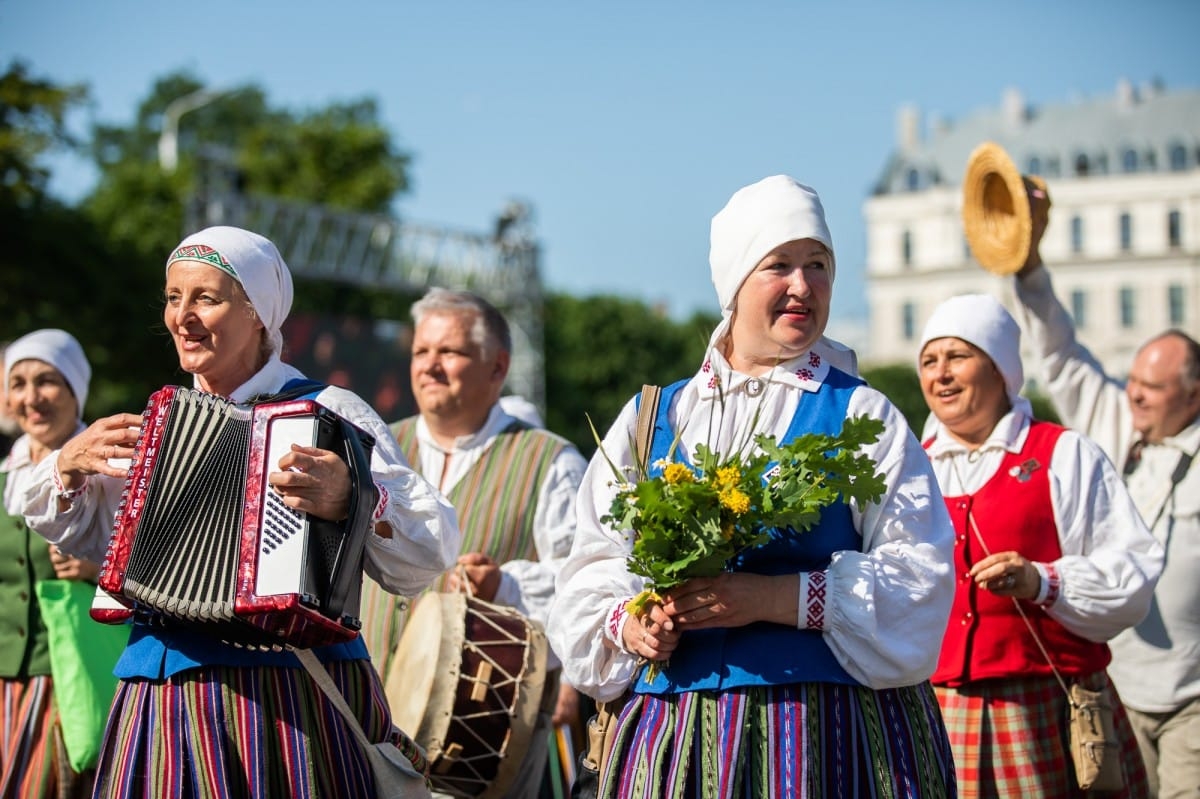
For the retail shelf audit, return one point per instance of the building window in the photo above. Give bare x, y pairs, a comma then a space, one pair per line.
1177, 158
913, 180
1126, 224
1175, 304
1150, 161
1174, 231
1076, 234
1129, 160
908, 321
1081, 165
1128, 316
906, 248
1035, 165
1079, 308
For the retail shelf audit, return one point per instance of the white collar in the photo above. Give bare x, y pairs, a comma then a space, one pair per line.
806, 372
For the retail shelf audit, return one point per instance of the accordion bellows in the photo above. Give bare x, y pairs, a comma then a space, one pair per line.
201, 539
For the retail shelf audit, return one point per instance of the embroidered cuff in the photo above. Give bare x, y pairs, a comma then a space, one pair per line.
615, 626
1051, 585
68, 494
381, 505
811, 615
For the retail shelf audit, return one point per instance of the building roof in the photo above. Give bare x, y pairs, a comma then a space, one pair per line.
1133, 129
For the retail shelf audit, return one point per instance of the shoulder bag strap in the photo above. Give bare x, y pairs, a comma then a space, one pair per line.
647, 412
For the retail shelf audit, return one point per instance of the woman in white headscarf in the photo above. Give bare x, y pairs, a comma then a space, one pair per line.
1050, 554
802, 671
195, 716
45, 387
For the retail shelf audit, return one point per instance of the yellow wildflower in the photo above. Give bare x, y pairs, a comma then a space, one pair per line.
728, 476
678, 473
734, 500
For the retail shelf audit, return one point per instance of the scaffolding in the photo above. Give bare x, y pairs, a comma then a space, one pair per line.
382, 252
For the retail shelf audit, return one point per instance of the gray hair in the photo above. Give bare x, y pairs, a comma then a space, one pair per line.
490, 327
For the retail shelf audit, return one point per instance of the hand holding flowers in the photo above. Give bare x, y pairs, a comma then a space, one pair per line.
690, 521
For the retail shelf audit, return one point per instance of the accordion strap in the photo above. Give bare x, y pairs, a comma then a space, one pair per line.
292, 389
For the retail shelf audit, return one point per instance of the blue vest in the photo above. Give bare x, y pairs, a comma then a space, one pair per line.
156, 652
764, 653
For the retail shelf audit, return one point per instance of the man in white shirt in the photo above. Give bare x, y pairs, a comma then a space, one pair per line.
512, 484
1150, 428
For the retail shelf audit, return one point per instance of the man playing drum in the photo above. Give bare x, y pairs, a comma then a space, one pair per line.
512, 485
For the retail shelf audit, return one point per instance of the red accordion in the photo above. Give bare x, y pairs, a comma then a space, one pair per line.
200, 538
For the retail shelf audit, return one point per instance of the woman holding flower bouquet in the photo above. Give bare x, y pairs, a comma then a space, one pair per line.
777, 634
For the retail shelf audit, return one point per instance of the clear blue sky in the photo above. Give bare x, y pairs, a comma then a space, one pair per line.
625, 124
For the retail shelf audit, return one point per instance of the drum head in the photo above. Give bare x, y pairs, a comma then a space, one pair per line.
422, 677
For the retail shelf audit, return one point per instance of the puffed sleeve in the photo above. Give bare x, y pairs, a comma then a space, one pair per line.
83, 529
594, 579
888, 604
425, 535
1111, 562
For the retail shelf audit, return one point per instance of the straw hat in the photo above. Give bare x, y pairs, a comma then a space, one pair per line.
997, 217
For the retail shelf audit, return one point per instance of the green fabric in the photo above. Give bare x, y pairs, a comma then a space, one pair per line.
83, 653
24, 559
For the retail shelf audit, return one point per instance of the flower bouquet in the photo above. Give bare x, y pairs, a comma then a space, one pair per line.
689, 521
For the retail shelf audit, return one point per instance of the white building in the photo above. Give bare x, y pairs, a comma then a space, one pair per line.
1123, 244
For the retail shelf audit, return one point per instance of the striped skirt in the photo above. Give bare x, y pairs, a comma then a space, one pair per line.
33, 759
1010, 739
252, 733
799, 741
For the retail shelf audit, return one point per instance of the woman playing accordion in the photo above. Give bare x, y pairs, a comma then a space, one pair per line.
194, 715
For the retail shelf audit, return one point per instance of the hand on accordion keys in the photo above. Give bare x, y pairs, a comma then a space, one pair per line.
315, 481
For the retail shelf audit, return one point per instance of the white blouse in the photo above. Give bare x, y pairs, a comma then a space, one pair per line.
1110, 562
425, 536
886, 603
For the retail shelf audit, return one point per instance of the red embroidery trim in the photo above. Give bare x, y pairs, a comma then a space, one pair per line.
1053, 586
814, 601
615, 619
381, 505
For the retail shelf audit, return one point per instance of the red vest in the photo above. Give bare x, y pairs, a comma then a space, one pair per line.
986, 637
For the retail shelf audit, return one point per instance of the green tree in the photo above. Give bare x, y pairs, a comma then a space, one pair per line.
341, 155
33, 116
898, 382
599, 351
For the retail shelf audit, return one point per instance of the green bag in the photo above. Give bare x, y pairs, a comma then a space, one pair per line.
83, 653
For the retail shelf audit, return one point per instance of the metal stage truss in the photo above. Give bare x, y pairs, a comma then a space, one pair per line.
379, 251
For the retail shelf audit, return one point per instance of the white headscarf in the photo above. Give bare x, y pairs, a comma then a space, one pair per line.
59, 349
757, 219
981, 320
251, 260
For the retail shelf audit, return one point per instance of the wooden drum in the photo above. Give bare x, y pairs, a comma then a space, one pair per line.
466, 684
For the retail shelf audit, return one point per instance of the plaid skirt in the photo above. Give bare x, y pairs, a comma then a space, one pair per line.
245, 732
799, 741
33, 759
1010, 738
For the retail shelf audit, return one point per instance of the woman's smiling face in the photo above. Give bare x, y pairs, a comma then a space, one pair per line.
782, 306
963, 388
217, 335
